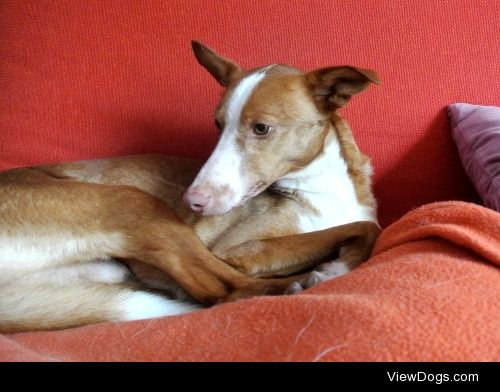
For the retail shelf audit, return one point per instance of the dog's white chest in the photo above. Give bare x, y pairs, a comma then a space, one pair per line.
326, 186
333, 210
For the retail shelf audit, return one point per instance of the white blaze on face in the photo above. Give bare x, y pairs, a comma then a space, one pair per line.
221, 177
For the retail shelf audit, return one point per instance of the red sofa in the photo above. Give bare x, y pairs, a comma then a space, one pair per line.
88, 79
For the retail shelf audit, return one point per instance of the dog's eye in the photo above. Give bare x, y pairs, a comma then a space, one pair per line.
261, 129
218, 125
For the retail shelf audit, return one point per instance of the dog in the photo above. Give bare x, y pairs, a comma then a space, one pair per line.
285, 190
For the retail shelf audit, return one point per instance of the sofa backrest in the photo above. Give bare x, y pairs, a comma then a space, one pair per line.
90, 79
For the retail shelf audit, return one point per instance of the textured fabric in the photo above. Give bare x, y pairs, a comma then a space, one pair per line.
429, 293
476, 131
87, 79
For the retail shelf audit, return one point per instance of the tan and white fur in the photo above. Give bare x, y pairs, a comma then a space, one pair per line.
285, 189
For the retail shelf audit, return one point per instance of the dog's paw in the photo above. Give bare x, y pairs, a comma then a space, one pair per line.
294, 288
332, 269
326, 271
322, 273
316, 277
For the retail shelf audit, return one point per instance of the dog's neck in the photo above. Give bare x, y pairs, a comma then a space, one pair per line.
325, 189
321, 175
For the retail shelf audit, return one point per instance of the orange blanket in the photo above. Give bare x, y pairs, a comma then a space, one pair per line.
431, 292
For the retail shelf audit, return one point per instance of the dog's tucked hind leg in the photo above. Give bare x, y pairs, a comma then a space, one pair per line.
97, 271
27, 306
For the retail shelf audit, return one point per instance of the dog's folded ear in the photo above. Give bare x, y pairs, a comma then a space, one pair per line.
222, 69
333, 87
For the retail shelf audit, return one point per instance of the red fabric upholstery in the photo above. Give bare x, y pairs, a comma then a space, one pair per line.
87, 79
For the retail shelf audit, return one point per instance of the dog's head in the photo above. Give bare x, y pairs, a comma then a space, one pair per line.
272, 120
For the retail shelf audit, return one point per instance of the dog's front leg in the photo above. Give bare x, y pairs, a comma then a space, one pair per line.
283, 256
351, 254
156, 236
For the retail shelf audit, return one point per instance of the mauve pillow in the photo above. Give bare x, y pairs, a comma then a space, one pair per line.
476, 131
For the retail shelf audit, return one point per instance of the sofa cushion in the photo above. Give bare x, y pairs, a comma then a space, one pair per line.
476, 131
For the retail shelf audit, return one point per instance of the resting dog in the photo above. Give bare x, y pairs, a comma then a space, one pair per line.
285, 189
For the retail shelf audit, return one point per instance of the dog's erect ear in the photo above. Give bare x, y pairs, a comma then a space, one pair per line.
222, 69
333, 87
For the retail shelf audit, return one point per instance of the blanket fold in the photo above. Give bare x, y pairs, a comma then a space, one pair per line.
463, 224
430, 292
